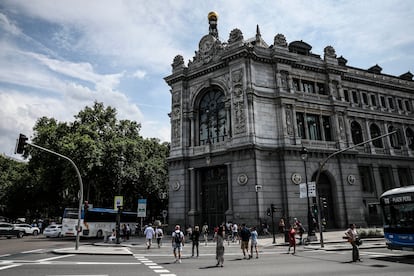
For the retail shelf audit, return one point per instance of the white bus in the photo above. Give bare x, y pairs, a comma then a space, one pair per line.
95, 222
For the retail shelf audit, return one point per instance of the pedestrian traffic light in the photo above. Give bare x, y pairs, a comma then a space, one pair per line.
21, 143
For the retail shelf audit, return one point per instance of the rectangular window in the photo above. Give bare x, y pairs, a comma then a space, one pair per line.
373, 100
400, 105
321, 88
365, 173
385, 174
314, 128
308, 87
365, 98
346, 94
296, 84
327, 128
407, 105
355, 97
391, 103
301, 125
404, 176
383, 104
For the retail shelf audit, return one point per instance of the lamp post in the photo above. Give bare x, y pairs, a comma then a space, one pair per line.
311, 233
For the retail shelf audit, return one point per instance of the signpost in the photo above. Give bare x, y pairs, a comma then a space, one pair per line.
142, 209
311, 189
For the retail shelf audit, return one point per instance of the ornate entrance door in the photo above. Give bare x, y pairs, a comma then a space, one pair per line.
214, 195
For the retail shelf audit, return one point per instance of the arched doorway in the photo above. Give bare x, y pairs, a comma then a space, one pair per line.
325, 191
214, 195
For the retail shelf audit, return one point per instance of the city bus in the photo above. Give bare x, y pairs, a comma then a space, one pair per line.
95, 222
398, 212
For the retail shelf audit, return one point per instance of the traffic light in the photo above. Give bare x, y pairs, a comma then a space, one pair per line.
21, 143
269, 213
324, 202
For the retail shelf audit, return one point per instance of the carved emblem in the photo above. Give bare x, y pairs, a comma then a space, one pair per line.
242, 179
235, 35
296, 178
178, 61
280, 40
329, 51
206, 48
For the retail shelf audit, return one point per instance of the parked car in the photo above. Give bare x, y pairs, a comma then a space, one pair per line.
9, 230
27, 229
54, 230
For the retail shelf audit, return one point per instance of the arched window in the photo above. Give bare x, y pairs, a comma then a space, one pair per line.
375, 132
212, 117
410, 138
393, 138
356, 132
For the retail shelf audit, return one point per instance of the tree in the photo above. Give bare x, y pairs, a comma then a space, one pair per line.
113, 159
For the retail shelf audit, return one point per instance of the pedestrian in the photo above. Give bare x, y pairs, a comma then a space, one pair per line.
235, 230
219, 237
188, 231
245, 237
353, 239
292, 239
282, 226
149, 235
253, 243
195, 238
128, 231
300, 229
205, 233
158, 235
177, 243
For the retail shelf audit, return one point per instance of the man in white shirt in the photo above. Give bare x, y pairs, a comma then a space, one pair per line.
149, 234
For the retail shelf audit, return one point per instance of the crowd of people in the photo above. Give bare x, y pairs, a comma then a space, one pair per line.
228, 232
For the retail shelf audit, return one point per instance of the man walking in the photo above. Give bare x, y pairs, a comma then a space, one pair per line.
149, 234
245, 236
177, 243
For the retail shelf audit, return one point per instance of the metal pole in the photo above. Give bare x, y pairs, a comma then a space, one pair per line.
310, 222
80, 191
273, 227
322, 164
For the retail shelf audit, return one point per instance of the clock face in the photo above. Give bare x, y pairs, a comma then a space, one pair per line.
351, 179
206, 48
296, 178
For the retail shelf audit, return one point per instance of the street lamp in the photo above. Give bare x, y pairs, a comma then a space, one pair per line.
311, 233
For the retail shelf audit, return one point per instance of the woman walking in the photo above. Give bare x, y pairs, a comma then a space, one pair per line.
219, 236
195, 238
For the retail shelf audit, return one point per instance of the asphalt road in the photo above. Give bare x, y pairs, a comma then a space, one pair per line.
33, 256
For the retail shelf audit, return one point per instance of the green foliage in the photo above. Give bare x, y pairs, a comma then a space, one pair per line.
112, 157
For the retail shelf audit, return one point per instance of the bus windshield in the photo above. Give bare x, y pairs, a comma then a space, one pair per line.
399, 216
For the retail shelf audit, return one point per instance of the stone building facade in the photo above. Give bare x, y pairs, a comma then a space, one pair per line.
242, 111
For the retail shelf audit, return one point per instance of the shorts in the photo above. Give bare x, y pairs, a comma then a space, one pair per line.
244, 244
177, 246
253, 243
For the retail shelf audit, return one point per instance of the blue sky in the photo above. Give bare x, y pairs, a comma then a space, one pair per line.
56, 57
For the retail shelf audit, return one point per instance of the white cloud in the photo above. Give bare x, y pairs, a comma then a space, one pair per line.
139, 74
6, 25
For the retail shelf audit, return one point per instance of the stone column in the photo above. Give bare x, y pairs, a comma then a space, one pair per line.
229, 211
193, 200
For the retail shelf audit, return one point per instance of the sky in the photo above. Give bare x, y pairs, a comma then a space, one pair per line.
57, 57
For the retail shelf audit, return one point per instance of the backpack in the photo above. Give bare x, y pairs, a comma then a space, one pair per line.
177, 237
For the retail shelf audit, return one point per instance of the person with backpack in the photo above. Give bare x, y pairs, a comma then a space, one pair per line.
158, 235
245, 237
177, 243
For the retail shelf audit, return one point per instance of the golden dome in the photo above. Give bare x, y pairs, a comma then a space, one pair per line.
212, 15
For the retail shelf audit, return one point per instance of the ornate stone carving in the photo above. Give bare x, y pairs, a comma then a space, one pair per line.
289, 122
280, 40
242, 179
176, 126
178, 62
235, 36
329, 51
208, 49
239, 117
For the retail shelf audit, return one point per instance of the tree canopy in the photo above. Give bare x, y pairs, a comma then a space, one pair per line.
112, 157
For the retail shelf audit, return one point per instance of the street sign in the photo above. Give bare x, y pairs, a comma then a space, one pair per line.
142, 208
311, 189
118, 201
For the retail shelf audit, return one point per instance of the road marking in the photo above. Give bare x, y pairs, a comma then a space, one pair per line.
55, 258
9, 266
76, 275
161, 271
5, 255
31, 251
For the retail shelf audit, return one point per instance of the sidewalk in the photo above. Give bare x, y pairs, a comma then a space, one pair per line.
332, 242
